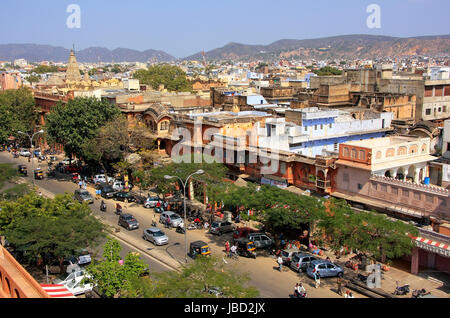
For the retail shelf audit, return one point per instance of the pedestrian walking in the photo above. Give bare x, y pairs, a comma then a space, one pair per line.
317, 279
280, 263
233, 250
339, 286
227, 247
80, 184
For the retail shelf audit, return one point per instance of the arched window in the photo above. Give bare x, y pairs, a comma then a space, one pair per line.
354, 153
390, 152
424, 148
413, 149
379, 154
346, 152
401, 151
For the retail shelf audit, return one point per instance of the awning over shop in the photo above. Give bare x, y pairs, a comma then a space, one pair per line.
432, 246
57, 291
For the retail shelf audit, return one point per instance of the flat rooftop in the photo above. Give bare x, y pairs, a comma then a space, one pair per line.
381, 142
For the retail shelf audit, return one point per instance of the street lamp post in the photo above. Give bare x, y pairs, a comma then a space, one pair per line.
31, 145
184, 184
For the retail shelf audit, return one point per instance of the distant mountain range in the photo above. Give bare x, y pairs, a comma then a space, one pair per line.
337, 47
38, 52
345, 47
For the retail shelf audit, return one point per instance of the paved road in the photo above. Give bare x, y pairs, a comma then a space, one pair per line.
262, 271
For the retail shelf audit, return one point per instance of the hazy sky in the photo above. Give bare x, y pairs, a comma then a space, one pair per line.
185, 27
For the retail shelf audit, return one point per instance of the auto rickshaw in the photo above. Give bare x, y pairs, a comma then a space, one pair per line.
199, 248
23, 170
245, 247
38, 174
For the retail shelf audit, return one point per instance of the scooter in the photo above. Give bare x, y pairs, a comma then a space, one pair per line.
103, 207
401, 290
180, 229
154, 224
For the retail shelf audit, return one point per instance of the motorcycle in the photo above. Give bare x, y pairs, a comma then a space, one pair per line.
192, 226
300, 295
401, 290
180, 229
154, 224
103, 207
417, 293
118, 209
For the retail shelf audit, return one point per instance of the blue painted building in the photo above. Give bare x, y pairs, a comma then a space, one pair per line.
313, 131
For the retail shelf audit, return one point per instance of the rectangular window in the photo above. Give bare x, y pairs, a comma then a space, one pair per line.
282, 167
405, 193
346, 178
444, 109
331, 125
359, 186
429, 198
306, 128
428, 91
383, 188
315, 127
335, 146
417, 195
394, 191
374, 186
428, 111
321, 126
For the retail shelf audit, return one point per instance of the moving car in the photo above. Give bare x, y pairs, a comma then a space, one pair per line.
128, 221
199, 248
83, 196
155, 235
151, 202
124, 196
325, 268
38, 174
175, 219
300, 261
221, 227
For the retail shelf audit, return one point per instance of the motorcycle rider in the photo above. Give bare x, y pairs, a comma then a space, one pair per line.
103, 206
299, 290
118, 208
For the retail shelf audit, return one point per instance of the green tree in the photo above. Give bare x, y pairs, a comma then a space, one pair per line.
75, 124
33, 79
41, 69
194, 281
38, 226
111, 277
172, 77
110, 144
328, 71
17, 112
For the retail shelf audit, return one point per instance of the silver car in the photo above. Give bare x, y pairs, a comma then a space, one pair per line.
300, 261
175, 219
155, 235
83, 196
325, 269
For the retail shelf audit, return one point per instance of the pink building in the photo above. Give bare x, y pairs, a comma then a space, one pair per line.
10, 81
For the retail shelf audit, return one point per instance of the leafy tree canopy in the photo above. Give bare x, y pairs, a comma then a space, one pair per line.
17, 112
172, 77
328, 71
77, 123
194, 281
41, 69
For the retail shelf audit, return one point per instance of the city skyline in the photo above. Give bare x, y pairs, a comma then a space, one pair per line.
182, 29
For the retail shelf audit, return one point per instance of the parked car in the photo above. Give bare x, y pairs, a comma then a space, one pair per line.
118, 185
100, 178
151, 202
25, 153
221, 227
128, 221
243, 232
70, 264
287, 254
300, 261
83, 257
325, 268
155, 235
261, 240
37, 153
72, 169
124, 196
106, 190
175, 219
66, 161
83, 196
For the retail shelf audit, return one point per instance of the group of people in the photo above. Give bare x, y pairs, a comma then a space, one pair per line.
230, 251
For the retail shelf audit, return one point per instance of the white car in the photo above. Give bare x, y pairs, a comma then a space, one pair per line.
99, 178
25, 153
74, 283
66, 161
118, 185
175, 219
